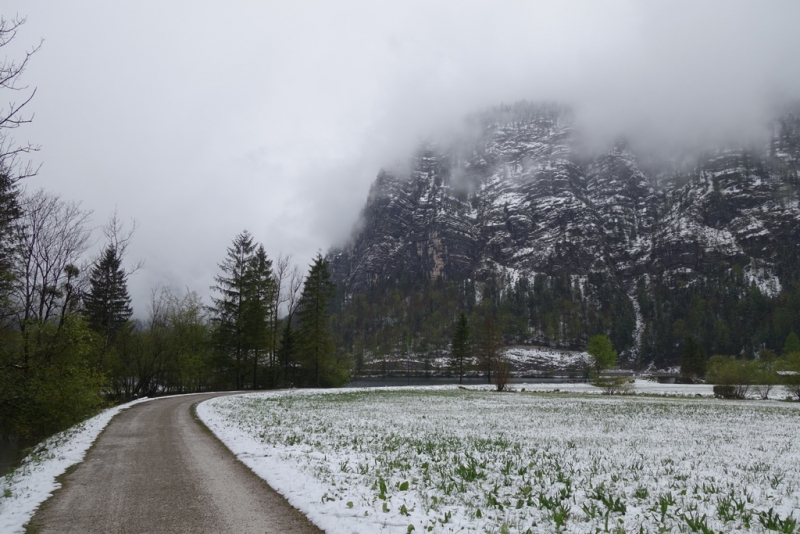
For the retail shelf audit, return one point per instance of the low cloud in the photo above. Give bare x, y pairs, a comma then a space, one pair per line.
276, 117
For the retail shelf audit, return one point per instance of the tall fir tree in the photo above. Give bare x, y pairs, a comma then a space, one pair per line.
260, 299
792, 344
314, 339
107, 305
460, 347
693, 359
230, 313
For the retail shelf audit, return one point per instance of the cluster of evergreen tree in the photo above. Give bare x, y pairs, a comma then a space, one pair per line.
256, 347
69, 345
409, 317
722, 314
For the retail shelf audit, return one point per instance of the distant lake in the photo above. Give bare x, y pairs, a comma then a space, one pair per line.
388, 381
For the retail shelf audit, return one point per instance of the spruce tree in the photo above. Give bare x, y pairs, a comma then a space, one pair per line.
260, 298
460, 347
792, 344
315, 341
230, 309
693, 359
107, 305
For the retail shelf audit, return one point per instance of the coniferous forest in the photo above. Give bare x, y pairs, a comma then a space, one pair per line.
418, 318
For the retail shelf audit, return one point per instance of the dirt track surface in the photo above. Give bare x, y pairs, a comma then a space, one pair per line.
154, 469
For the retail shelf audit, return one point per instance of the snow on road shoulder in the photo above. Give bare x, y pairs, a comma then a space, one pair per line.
25, 488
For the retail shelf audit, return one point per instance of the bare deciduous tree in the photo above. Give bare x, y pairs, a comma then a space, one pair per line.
14, 115
280, 272
490, 345
502, 373
288, 285
119, 237
54, 235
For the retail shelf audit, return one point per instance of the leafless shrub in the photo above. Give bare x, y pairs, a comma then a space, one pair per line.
502, 374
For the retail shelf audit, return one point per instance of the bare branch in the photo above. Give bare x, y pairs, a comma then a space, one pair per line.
280, 271
54, 235
12, 116
119, 238
296, 278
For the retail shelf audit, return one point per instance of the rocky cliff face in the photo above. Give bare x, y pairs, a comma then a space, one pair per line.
520, 201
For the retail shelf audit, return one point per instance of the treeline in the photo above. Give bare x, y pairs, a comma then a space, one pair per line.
724, 312
69, 345
738, 377
406, 316
269, 325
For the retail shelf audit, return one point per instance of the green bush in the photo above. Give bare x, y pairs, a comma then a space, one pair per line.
613, 384
791, 373
734, 376
602, 354
47, 383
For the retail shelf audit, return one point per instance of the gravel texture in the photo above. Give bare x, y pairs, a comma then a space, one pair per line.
155, 469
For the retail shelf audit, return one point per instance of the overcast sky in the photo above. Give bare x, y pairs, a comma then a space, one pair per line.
201, 119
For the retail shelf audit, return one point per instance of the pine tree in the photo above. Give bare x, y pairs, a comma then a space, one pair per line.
230, 310
460, 347
260, 298
315, 341
792, 344
107, 305
693, 359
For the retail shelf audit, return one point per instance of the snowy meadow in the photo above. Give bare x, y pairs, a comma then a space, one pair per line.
454, 460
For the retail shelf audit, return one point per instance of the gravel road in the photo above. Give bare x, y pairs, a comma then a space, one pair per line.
155, 469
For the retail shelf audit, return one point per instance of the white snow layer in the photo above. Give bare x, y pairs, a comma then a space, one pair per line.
34, 481
441, 459
544, 357
766, 281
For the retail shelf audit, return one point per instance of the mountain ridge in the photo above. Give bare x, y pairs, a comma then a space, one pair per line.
518, 201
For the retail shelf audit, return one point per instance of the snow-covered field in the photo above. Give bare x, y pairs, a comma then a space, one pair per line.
28, 486
453, 460
646, 387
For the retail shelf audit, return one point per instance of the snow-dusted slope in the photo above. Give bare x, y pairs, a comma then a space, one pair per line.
520, 200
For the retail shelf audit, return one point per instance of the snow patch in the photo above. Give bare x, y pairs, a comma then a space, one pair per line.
545, 358
24, 489
764, 279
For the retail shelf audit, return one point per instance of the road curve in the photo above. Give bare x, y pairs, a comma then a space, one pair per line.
155, 469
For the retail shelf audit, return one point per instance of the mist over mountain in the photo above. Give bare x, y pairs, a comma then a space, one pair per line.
519, 217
